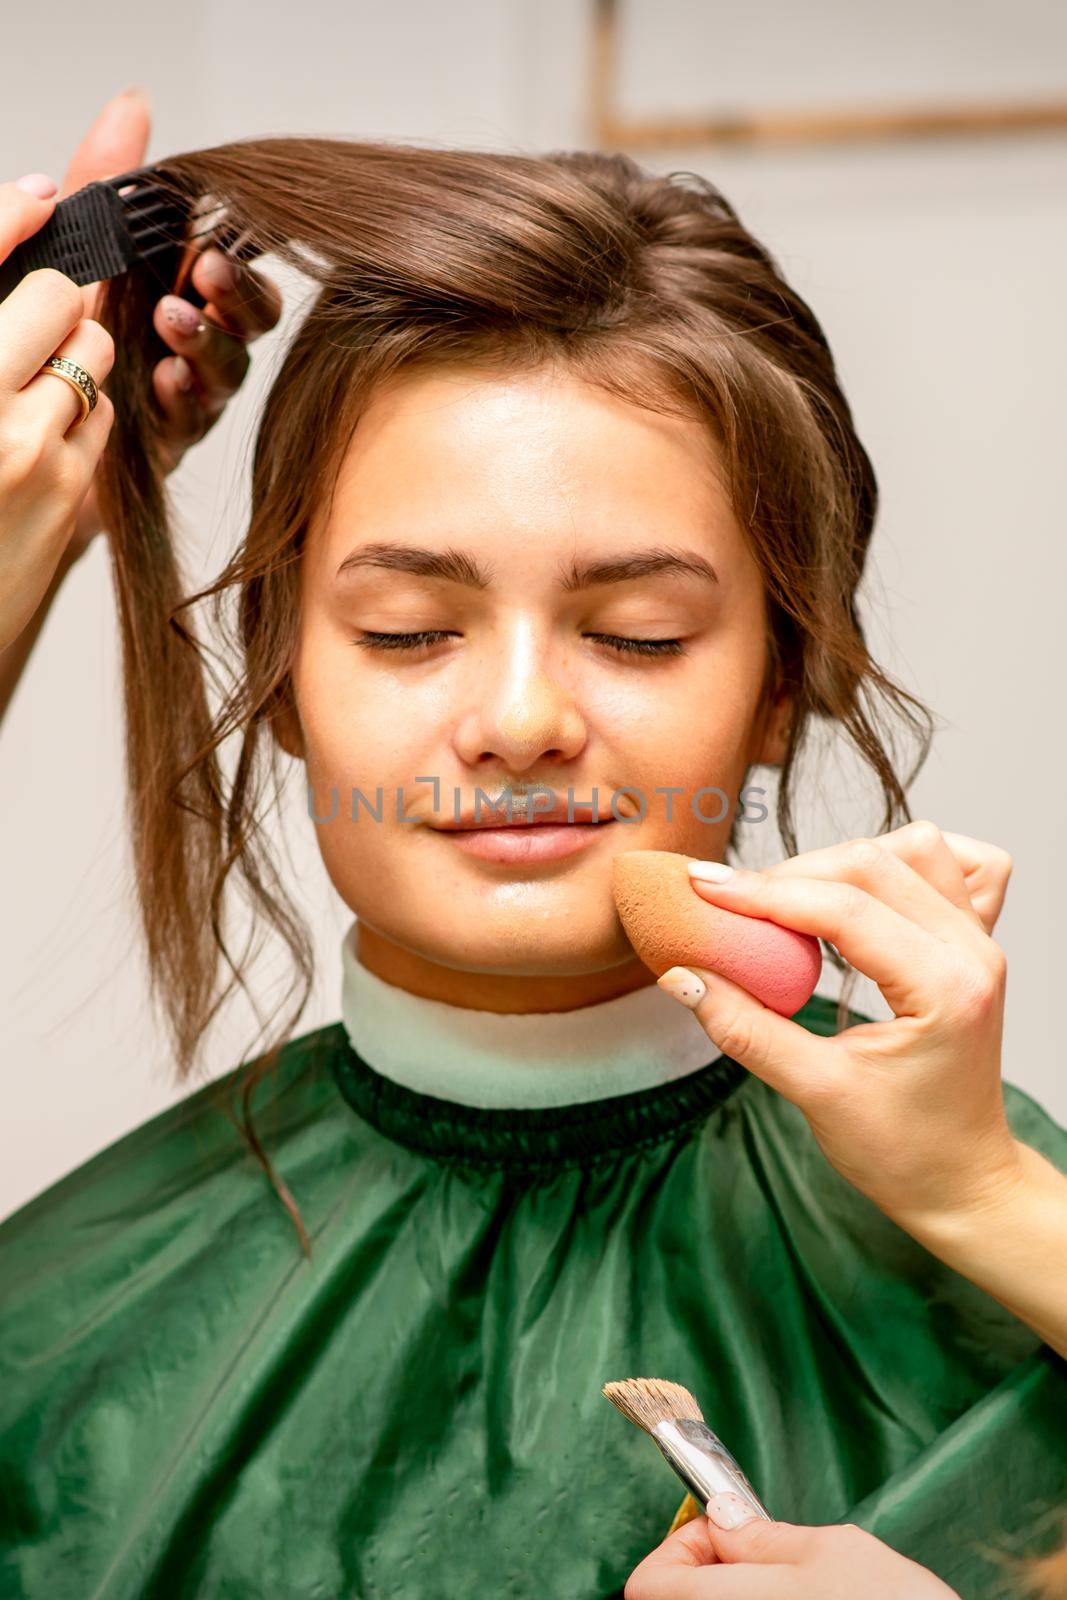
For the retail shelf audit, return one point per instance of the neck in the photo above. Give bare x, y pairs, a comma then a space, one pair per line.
482, 1056
488, 991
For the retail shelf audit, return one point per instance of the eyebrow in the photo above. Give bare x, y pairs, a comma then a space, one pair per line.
458, 566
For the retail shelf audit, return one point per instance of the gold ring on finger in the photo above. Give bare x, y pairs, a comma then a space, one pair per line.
81, 382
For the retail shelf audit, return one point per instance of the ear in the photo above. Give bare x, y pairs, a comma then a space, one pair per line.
771, 733
285, 727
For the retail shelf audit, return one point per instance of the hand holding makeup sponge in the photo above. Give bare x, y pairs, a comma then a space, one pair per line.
669, 925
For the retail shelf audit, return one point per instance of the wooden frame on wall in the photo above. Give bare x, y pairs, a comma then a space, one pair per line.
611, 129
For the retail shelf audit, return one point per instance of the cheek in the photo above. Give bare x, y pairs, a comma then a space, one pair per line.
688, 720
357, 731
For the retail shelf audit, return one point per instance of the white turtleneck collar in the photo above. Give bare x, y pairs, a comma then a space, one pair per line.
500, 1059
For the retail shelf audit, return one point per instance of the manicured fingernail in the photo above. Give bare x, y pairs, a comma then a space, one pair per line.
683, 985
728, 1511
38, 183
710, 871
220, 271
182, 315
135, 93
183, 373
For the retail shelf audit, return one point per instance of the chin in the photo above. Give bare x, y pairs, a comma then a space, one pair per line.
507, 946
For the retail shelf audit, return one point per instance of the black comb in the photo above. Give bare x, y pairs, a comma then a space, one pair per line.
98, 233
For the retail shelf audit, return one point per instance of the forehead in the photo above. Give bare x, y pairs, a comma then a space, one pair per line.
540, 453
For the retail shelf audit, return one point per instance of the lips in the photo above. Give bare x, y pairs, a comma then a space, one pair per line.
582, 814
526, 847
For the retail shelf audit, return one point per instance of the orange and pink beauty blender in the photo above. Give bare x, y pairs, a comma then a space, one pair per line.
670, 925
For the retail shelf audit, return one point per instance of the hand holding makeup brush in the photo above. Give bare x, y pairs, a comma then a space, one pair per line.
910, 1110
766, 1558
731, 1559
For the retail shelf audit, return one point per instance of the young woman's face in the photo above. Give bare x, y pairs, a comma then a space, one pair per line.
518, 480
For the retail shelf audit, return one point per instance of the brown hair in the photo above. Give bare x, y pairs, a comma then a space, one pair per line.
647, 285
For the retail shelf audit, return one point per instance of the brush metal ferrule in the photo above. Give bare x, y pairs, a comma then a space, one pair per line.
703, 1462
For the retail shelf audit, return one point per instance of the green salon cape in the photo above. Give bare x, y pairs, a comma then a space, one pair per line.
189, 1407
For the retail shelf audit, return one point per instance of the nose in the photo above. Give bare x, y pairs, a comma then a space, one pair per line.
522, 709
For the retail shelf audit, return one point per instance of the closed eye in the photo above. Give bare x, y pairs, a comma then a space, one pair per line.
643, 647
429, 636
401, 641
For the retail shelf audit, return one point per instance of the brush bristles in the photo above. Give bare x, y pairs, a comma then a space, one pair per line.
648, 1401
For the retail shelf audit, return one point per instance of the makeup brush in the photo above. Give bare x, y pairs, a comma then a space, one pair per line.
671, 1416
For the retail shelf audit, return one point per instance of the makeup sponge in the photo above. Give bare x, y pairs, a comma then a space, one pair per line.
669, 924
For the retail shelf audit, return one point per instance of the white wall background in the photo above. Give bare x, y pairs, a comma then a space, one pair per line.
937, 270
